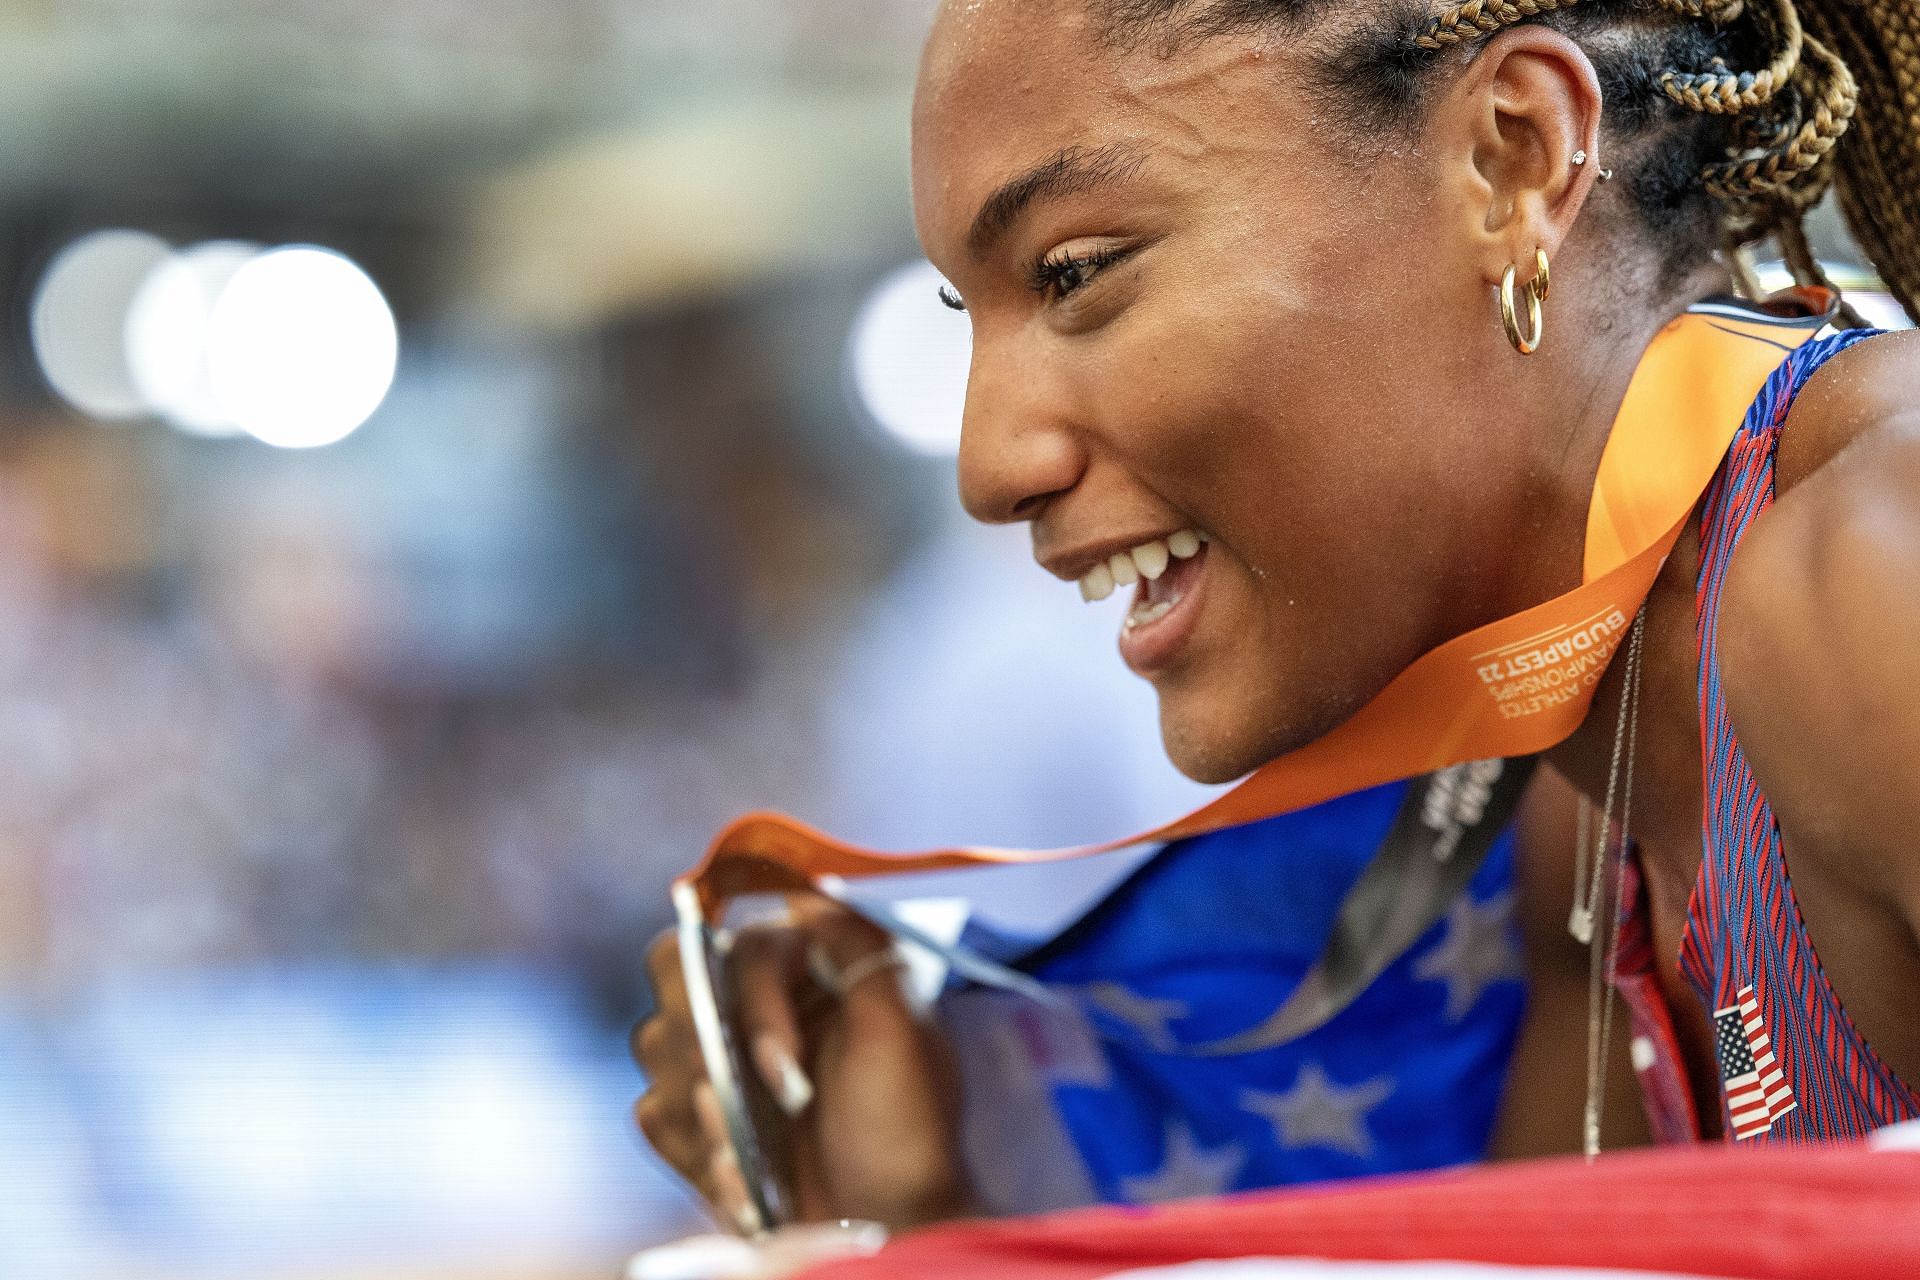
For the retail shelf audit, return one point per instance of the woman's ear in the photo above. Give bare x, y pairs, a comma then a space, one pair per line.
1520, 130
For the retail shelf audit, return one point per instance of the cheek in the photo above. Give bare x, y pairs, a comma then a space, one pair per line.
1264, 418
1245, 410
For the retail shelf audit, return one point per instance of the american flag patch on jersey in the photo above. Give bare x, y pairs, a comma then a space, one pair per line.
1757, 1090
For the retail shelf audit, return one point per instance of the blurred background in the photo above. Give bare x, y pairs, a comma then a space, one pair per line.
455, 454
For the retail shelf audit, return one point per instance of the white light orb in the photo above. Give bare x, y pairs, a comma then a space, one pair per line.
167, 329
908, 356
301, 347
77, 322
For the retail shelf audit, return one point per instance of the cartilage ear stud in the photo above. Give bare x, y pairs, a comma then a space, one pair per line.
1579, 158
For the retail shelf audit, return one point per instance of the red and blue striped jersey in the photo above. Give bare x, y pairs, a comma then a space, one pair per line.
1792, 1064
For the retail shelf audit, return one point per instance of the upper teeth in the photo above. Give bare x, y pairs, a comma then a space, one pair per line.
1148, 560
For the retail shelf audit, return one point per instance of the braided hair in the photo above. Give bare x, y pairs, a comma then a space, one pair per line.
1731, 112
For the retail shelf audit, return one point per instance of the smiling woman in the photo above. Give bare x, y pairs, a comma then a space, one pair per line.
1241, 268
1260, 180
1247, 279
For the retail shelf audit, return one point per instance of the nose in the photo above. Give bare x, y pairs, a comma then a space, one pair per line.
1017, 444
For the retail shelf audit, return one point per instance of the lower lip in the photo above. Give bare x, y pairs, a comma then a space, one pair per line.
1153, 646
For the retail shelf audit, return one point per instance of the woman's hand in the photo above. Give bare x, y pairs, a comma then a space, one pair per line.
869, 1087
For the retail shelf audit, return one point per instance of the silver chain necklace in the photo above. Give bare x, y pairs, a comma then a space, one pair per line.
1593, 854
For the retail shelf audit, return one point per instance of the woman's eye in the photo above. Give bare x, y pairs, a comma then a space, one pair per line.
1061, 274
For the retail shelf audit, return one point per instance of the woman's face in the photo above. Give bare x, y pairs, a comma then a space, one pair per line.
1193, 309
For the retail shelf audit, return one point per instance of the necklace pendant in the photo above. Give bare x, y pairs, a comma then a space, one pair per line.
1580, 925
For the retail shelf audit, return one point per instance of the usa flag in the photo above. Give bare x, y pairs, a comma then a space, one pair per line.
1757, 1090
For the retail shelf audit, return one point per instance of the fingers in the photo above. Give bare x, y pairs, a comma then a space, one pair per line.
771, 990
692, 1141
683, 1120
725, 1187
669, 1057
766, 975
663, 974
667, 1120
859, 955
844, 937
680, 1113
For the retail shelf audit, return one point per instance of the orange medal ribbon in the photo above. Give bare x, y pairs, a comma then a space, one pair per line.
1511, 688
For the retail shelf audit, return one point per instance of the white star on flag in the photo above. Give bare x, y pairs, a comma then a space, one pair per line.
1149, 1017
1474, 953
1186, 1169
1316, 1112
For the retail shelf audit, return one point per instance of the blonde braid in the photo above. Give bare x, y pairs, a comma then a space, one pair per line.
1716, 11
1793, 171
1723, 92
1878, 171
1476, 19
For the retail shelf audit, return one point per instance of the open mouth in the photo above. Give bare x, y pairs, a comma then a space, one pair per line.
1165, 575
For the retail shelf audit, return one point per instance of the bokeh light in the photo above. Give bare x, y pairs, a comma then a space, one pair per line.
908, 356
301, 348
77, 320
167, 328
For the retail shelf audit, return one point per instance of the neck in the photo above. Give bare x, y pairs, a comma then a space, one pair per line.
1666, 797
1571, 392
1666, 783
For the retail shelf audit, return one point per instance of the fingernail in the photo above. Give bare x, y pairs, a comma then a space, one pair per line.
791, 1088
730, 1192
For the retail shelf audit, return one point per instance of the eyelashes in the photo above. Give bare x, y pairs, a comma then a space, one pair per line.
1063, 272
1057, 275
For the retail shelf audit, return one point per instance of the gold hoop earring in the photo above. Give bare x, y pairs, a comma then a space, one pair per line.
1527, 342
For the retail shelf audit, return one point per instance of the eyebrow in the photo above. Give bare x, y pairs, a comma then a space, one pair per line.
1068, 171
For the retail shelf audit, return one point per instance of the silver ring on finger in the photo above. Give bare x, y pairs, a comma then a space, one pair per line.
842, 981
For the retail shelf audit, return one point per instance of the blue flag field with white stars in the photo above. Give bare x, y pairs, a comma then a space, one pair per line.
1206, 940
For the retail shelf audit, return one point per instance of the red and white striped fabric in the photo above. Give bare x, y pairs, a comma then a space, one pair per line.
1767, 1213
1757, 1090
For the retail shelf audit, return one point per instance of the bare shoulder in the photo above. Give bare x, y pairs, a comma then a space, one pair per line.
1853, 399
1819, 634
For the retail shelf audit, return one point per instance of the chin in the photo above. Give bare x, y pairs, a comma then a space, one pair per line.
1209, 751
1223, 737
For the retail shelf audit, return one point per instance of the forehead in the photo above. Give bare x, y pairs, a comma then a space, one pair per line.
1004, 84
